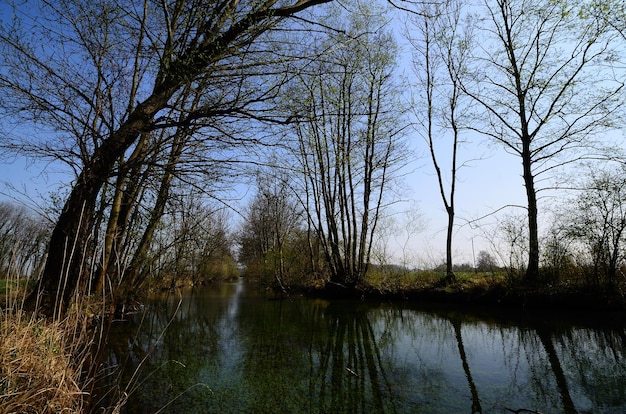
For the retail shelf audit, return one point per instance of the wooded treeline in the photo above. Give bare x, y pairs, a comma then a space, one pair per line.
161, 109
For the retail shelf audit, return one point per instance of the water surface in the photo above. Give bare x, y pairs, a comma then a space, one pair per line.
230, 349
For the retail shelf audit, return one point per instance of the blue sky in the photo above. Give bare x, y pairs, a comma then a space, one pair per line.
485, 186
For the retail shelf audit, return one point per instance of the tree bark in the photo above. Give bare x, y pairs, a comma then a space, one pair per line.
532, 271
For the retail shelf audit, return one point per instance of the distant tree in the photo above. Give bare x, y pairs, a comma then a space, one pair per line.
23, 237
273, 224
193, 244
485, 261
544, 82
599, 221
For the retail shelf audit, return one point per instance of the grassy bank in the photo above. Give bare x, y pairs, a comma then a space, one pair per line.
477, 288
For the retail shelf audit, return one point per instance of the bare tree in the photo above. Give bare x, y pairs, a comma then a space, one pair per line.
556, 251
508, 242
108, 81
192, 246
440, 49
273, 224
22, 242
349, 140
598, 219
544, 79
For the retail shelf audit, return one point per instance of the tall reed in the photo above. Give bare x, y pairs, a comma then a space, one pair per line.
42, 361
50, 365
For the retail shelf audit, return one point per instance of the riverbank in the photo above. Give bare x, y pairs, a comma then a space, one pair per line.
480, 291
42, 362
47, 365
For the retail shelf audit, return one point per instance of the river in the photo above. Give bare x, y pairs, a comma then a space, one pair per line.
232, 349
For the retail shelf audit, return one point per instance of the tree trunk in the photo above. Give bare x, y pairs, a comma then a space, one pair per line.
112, 235
450, 277
476, 406
134, 275
557, 369
66, 259
532, 271
66, 262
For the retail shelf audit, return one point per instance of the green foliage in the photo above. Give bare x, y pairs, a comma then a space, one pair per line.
350, 143
300, 267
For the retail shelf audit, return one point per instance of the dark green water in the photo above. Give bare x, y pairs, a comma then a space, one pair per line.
227, 349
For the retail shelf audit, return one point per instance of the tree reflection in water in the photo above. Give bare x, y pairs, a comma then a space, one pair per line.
545, 338
230, 350
351, 372
456, 324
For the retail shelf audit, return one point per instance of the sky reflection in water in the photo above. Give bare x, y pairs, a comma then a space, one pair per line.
228, 349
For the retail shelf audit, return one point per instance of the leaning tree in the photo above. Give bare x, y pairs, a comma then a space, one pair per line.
98, 80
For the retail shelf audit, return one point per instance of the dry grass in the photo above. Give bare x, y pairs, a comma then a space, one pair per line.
47, 365
393, 282
41, 363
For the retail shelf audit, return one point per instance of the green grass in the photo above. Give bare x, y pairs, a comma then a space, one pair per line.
8, 285
393, 282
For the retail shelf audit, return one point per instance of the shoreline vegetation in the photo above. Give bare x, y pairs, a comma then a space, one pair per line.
469, 293
41, 364
47, 366
44, 363
492, 289
472, 290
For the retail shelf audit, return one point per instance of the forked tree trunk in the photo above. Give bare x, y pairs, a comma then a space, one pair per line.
65, 266
66, 262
